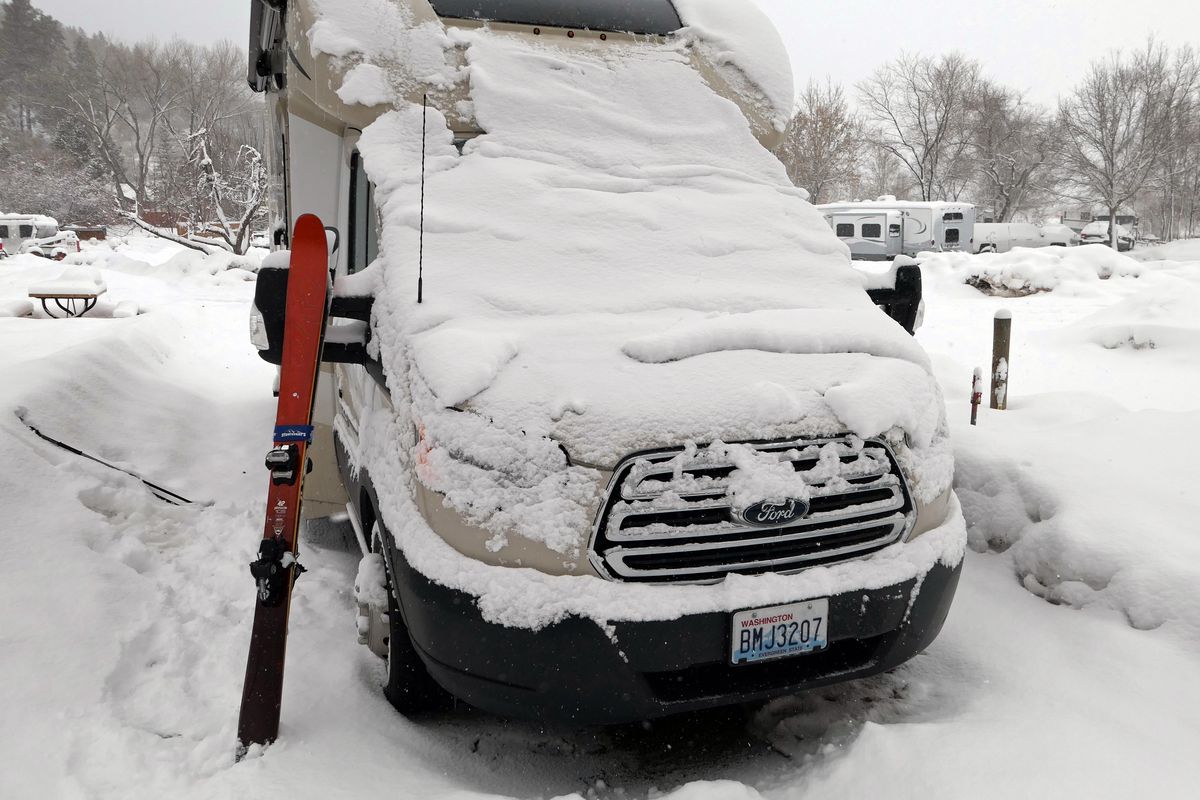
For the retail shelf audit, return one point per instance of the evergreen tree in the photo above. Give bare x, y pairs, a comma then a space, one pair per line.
72, 135
30, 44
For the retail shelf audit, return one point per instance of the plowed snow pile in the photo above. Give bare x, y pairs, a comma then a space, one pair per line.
1025, 270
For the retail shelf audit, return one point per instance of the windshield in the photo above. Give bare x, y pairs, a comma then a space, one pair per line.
630, 16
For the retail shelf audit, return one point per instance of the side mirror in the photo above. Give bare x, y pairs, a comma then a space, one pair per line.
344, 343
902, 300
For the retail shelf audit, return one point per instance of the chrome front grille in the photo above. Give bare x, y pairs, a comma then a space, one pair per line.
667, 516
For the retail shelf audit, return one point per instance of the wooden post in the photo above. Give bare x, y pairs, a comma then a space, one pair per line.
976, 393
1001, 337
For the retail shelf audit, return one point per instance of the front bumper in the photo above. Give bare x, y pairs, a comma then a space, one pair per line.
574, 670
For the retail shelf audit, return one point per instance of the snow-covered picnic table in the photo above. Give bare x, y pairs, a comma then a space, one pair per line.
75, 284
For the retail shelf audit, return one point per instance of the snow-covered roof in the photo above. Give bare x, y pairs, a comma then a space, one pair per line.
40, 220
361, 56
739, 34
877, 205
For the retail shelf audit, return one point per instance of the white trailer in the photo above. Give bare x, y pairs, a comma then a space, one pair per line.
880, 230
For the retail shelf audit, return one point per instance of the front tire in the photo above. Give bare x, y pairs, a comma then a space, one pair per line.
409, 687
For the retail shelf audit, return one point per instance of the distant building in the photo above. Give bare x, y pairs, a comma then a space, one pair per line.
1075, 221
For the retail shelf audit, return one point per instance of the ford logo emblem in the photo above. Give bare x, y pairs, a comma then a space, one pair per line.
770, 514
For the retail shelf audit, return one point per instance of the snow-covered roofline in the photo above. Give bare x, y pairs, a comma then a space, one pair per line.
354, 61
36, 219
882, 204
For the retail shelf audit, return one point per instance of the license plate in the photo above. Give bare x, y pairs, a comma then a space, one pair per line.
762, 634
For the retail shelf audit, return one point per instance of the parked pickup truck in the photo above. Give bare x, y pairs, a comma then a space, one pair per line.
1000, 237
1098, 233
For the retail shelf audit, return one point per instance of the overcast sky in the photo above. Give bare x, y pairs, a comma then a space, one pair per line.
1042, 46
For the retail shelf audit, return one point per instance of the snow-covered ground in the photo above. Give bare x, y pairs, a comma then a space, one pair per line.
1068, 666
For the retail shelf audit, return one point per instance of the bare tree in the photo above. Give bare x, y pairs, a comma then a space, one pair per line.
214, 177
821, 146
144, 84
243, 189
1171, 197
125, 110
178, 134
881, 173
919, 110
1116, 128
1014, 144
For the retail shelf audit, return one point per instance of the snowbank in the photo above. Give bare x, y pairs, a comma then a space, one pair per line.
1083, 483
1181, 250
1163, 314
110, 598
1081, 528
1024, 270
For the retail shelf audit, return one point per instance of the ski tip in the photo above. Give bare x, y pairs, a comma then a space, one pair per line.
309, 226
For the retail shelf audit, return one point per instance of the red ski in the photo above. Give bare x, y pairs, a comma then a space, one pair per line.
276, 568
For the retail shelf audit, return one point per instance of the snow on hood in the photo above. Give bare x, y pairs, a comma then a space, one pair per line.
812, 330
570, 378
459, 362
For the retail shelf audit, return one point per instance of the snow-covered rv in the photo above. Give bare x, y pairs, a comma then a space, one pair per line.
877, 230
619, 431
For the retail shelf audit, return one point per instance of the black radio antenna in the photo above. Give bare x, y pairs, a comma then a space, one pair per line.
421, 245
